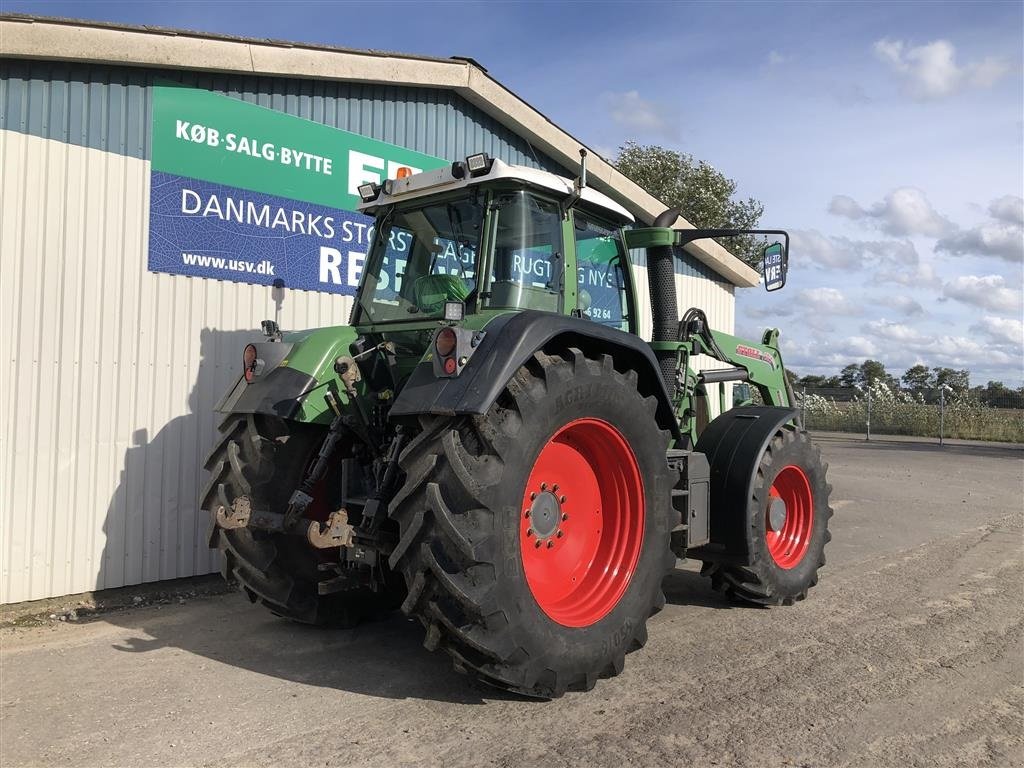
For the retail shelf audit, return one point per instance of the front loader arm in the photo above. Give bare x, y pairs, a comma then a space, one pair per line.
762, 362
758, 363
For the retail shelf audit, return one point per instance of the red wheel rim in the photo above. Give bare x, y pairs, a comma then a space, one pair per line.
582, 522
788, 530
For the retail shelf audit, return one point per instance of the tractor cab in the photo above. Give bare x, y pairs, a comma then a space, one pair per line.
491, 238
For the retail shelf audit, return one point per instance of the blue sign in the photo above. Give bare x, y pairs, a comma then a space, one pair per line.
203, 229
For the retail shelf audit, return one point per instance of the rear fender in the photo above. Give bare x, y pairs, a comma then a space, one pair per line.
733, 444
510, 340
296, 374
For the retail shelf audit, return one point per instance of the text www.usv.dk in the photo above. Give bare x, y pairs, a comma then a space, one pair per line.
228, 265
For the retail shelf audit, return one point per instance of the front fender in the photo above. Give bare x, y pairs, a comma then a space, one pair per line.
734, 443
298, 371
511, 339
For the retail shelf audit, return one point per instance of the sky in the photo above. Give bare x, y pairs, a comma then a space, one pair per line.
888, 138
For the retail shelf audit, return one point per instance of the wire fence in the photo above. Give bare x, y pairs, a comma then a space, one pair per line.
934, 413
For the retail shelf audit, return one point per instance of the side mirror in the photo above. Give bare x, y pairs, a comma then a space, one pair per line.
776, 264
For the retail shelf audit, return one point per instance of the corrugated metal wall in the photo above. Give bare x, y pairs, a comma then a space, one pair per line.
113, 371
110, 109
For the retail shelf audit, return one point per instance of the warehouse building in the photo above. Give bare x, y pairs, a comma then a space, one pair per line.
121, 333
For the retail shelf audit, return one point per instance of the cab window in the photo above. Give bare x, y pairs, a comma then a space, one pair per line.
527, 268
601, 291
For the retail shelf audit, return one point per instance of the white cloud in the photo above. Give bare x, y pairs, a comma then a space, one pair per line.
844, 205
904, 211
828, 355
769, 312
892, 261
1002, 236
1008, 208
1005, 241
630, 110
903, 304
931, 71
893, 331
987, 291
905, 345
827, 301
1001, 330
826, 252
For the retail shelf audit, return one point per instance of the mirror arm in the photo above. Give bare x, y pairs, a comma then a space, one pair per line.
684, 236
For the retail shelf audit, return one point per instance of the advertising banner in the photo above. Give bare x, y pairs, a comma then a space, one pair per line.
244, 193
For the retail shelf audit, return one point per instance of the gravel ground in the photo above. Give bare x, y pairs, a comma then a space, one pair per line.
910, 652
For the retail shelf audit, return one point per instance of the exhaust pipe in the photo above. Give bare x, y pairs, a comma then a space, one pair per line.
661, 278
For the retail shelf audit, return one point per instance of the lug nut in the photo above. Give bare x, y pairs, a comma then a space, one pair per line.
537, 544
550, 544
554, 487
562, 499
529, 531
526, 513
564, 517
543, 486
561, 534
533, 496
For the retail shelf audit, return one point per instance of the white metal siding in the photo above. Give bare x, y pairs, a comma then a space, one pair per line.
113, 372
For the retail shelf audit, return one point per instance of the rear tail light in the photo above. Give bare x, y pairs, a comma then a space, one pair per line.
249, 361
445, 342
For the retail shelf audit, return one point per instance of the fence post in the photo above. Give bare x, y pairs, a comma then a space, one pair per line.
868, 420
942, 413
803, 407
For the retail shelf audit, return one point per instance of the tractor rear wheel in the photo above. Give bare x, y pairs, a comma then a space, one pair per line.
534, 539
786, 526
265, 458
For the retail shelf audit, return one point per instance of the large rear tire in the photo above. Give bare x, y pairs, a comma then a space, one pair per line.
786, 526
264, 458
534, 538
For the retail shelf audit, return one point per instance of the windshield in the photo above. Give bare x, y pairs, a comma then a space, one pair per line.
421, 258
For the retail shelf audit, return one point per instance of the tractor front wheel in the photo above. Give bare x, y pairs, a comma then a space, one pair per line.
785, 528
534, 538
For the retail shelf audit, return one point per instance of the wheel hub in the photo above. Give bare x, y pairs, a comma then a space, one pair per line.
582, 522
789, 519
545, 514
777, 514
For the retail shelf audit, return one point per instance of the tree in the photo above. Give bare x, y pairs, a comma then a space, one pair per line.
918, 378
698, 189
958, 381
813, 381
998, 395
850, 376
873, 372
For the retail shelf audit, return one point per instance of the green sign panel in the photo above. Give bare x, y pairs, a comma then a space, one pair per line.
244, 193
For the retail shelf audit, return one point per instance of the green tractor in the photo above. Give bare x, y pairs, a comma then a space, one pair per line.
492, 447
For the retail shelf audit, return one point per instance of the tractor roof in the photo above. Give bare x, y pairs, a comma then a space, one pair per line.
442, 180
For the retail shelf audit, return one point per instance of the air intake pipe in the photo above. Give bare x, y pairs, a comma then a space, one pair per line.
661, 278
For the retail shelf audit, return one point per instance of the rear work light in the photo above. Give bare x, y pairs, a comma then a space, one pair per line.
368, 192
479, 164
